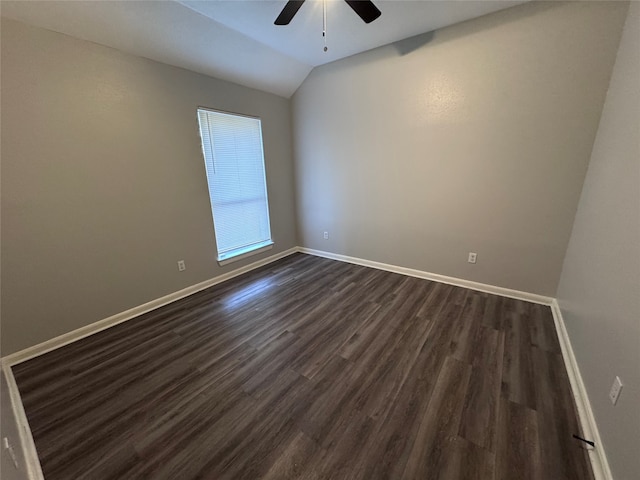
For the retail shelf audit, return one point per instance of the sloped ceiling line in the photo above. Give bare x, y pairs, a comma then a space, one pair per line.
237, 40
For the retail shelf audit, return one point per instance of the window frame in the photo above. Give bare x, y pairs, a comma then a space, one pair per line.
246, 250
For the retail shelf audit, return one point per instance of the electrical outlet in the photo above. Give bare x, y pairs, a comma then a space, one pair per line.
181, 266
9, 448
472, 257
326, 235
614, 393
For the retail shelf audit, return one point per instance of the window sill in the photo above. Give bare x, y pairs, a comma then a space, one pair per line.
244, 253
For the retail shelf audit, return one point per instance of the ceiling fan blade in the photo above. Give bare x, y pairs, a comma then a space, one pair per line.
365, 9
288, 12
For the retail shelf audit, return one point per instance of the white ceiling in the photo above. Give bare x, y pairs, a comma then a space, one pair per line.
237, 40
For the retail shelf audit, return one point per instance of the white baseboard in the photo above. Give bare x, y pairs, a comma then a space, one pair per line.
459, 282
103, 324
134, 312
27, 445
597, 455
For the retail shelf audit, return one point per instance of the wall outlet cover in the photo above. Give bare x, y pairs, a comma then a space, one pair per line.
616, 388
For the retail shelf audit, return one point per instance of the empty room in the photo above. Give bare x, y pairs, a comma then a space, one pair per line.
320, 239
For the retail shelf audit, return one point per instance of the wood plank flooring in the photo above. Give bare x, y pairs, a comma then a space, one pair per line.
311, 369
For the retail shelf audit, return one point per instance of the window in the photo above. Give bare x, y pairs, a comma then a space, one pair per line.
234, 161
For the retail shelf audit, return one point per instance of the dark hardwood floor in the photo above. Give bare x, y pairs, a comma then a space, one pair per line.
313, 369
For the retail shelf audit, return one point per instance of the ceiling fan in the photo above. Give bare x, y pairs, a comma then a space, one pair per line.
365, 9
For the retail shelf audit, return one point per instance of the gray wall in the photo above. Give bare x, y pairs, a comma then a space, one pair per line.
103, 182
474, 138
599, 292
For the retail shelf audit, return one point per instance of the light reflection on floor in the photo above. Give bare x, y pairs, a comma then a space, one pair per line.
248, 293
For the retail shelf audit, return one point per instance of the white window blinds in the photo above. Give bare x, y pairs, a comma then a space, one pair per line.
234, 161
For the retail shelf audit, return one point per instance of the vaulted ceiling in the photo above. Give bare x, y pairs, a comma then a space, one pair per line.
237, 40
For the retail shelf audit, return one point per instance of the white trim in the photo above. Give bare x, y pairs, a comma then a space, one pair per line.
103, 324
459, 282
597, 455
245, 252
28, 446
